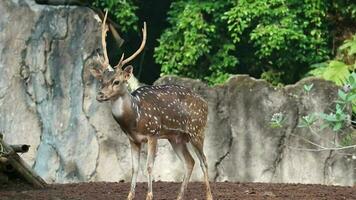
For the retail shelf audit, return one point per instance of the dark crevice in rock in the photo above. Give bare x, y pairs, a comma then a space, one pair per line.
47, 50
280, 150
217, 164
221, 103
25, 74
282, 143
327, 165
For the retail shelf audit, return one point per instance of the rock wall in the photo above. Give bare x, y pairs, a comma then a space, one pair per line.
242, 146
47, 99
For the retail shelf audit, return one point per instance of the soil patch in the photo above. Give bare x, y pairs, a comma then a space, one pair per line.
168, 190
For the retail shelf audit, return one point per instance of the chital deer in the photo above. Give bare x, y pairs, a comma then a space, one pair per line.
154, 112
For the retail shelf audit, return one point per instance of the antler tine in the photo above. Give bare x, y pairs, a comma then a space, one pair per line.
104, 29
143, 43
121, 59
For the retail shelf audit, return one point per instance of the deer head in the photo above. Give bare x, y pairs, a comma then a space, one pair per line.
114, 79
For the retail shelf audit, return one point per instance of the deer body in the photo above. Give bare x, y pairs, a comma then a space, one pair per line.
166, 112
154, 112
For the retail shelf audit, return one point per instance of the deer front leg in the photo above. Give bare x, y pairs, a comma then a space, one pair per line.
151, 154
135, 156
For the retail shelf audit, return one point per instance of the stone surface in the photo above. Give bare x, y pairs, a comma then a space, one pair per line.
242, 146
47, 100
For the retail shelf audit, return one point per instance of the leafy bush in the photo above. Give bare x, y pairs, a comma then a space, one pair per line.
123, 12
339, 118
286, 36
277, 40
338, 70
345, 9
333, 70
196, 44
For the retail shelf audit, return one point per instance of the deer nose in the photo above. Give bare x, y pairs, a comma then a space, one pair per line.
100, 96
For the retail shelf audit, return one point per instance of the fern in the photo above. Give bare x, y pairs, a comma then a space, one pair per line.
335, 71
338, 70
350, 46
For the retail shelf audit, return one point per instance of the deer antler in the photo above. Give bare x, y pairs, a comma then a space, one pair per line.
106, 64
104, 28
143, 43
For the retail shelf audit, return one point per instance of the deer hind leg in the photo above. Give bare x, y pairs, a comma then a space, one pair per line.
184, 155
198, 149
151, 154
135, 156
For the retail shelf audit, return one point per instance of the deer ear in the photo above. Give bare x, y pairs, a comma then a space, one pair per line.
128, 72
96, 73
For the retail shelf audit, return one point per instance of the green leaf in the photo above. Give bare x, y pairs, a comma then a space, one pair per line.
337, 126
352, 79
350, 97
352, 50
337, 72
308, 88
342, 95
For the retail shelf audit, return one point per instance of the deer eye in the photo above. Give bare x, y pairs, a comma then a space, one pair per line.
116, 82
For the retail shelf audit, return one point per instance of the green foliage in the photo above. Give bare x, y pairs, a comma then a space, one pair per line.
277, 40
273, 77
349, 46
307, 121
221, 62
338, 70
338, 119
194, 45
334, 70
123, 12
285, 35
344, 8
277, 120
307, 88
350, 89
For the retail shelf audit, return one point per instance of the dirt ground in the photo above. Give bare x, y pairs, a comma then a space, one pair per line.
168, 190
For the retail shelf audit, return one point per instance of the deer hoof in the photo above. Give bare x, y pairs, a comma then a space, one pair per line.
149, 196
209, 196
131, 196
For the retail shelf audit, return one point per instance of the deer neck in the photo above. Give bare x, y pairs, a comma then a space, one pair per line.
125, 111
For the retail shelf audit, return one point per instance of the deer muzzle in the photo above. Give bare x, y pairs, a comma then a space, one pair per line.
101, 97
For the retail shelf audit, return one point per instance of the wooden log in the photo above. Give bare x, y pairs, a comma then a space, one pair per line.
6, 167
3, 178
20, 166
3, 160
26, 171
20, 148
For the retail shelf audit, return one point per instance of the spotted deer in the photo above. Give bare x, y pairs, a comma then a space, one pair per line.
154, 112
